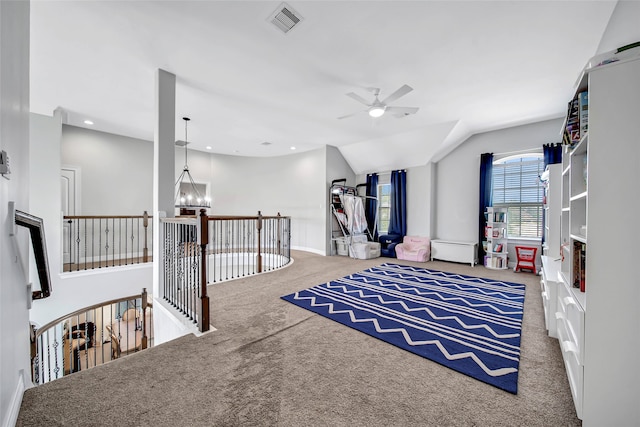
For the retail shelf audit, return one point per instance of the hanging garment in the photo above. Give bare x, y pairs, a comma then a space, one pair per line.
354, 209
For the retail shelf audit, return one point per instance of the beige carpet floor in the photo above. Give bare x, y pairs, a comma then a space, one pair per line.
271, 363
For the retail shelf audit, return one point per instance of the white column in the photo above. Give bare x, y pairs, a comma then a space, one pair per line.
163, 161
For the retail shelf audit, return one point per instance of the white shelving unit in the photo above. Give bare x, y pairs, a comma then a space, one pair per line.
496, 238
549, 283
552, 208
570, 300
598, 327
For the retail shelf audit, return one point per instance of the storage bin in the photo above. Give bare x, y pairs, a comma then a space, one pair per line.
341, 246
366, 250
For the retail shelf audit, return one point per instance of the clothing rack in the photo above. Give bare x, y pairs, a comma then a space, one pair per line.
348, 218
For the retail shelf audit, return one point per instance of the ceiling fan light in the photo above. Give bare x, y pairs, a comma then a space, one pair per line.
376, 111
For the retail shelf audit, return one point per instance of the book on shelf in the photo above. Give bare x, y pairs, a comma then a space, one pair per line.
573, 122
579, 265
496, 262
499, 233
583, 103
498, 248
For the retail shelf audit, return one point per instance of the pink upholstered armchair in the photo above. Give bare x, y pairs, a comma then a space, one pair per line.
414, 248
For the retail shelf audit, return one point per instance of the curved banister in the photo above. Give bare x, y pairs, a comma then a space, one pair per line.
77, 340
199, 251
78, 312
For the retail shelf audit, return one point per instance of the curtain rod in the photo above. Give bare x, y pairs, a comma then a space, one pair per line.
513, 153
386, 173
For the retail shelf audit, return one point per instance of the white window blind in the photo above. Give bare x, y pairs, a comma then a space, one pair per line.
384, 208
517, 186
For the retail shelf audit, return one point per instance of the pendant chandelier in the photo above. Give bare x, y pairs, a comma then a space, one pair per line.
187, 195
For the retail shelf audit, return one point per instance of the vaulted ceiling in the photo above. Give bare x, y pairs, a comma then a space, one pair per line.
473, 66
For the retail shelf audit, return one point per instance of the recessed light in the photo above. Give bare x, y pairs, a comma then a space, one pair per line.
208, 147
293, 148
88, 122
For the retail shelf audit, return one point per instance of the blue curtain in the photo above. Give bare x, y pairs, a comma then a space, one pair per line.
486, 200
371, 204
398, 217
552, 153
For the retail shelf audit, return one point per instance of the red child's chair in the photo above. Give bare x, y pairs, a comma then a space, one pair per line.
526, 258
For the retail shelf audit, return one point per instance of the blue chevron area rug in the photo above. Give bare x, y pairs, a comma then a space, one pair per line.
469, 324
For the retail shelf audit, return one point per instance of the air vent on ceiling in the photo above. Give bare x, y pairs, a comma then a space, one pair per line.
285, 18
181, 143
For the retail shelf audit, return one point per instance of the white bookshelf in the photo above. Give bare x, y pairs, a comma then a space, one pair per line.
496, 238
598, 328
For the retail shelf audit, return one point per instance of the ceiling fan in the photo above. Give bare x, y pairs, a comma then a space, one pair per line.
377, 108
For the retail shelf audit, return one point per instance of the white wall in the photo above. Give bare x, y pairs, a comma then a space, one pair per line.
15, 372
293, 185
337, 168
419, 195
117, 171
44, 190
420, 188
457, 175
623, 28
74, 291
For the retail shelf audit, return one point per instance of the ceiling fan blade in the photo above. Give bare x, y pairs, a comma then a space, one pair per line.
405, 89
402, 111
359, 98
374, 90
350, 115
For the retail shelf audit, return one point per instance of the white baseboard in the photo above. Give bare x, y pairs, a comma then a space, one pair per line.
16, 400
312, 250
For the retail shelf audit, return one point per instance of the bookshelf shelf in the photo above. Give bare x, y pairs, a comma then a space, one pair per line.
580, 196
581, 147
496, 238
579, 238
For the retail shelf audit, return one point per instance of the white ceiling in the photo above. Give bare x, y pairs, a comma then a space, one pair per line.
474, 66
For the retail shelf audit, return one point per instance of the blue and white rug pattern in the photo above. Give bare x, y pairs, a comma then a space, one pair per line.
469, 324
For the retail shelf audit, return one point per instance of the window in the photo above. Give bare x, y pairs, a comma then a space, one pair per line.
517, 186
384, 208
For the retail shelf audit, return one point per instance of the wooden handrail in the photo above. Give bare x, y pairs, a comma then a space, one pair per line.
107, 216
91, 307
86, 234
228, 217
